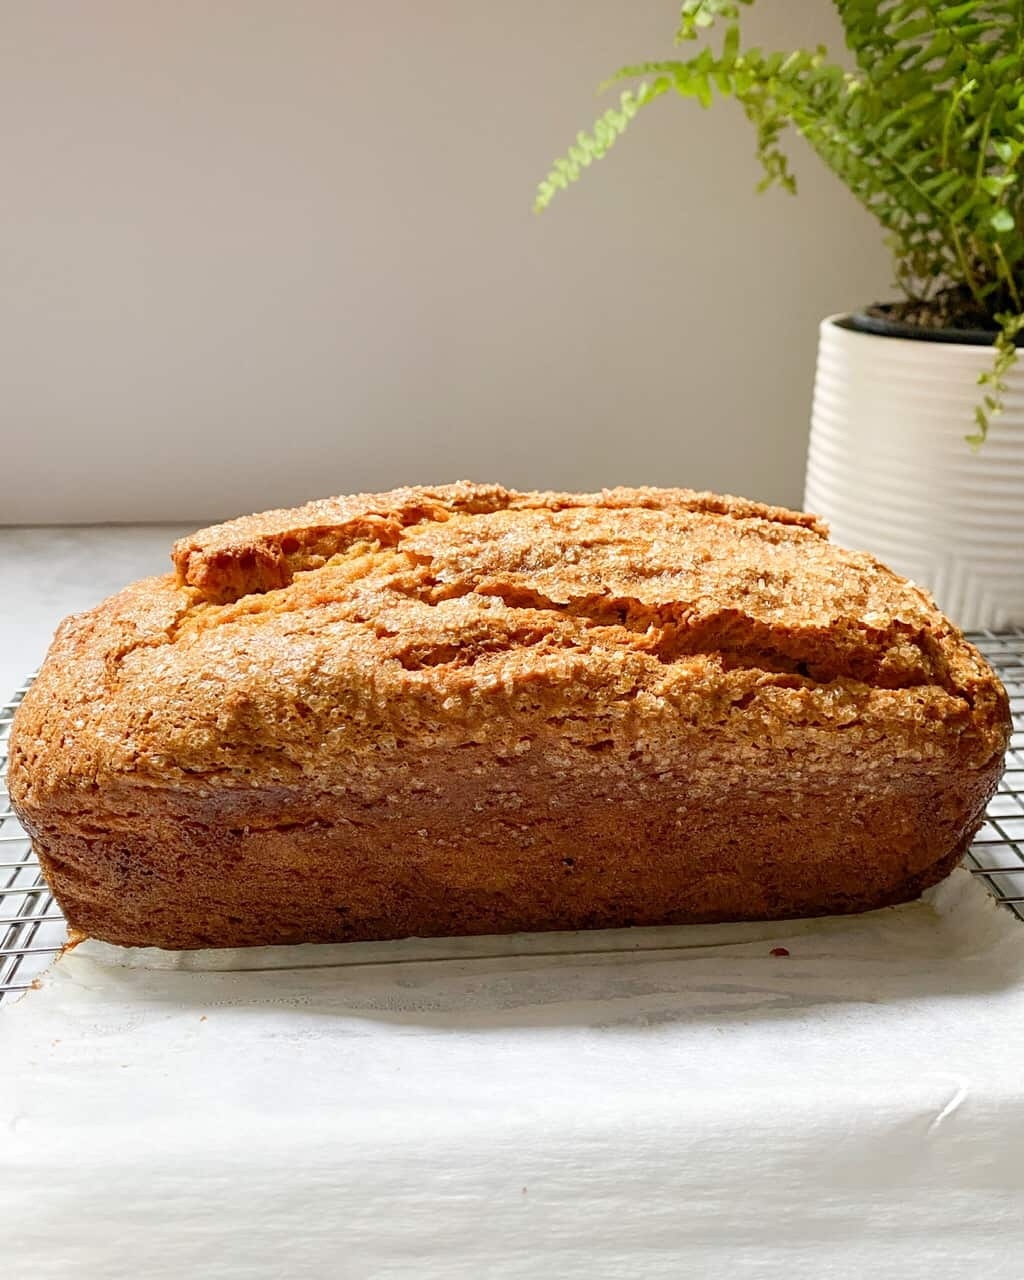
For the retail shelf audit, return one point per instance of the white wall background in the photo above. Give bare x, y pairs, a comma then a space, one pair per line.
260, 250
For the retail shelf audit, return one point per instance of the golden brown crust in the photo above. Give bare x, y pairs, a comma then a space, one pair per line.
434, 687
263, 552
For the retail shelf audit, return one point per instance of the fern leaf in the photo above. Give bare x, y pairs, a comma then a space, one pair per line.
1010, 325
607, 129
695, 16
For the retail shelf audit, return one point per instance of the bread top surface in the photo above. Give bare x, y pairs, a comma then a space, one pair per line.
358, 628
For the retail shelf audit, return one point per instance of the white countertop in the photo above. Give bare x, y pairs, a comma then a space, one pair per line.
47, 573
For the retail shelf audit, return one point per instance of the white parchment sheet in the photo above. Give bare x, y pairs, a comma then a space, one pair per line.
643, 1103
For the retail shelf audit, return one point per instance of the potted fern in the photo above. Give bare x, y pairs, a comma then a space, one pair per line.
917, 437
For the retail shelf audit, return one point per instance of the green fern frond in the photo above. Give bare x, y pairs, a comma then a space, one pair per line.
994, 379
695, 16
589, 147
927, 133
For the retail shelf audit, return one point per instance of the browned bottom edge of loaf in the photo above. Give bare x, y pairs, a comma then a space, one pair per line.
178, 886
435, 917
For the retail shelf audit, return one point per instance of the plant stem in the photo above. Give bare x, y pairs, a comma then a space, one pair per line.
1008, 275
954, 105
965, 266
979, 170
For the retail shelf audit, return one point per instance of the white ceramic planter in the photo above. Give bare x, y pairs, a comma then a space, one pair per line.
889, 469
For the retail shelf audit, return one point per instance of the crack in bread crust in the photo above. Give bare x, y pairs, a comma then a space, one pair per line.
265, 552
694, 573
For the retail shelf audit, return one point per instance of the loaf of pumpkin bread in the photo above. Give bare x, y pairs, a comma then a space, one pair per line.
468, 710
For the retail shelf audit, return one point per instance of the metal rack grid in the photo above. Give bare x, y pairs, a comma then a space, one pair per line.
997, 854
32, 928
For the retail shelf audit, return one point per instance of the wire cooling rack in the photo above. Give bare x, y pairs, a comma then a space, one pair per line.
997, 854
32, 929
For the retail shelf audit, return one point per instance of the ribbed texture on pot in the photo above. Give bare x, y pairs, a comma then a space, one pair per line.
889, 469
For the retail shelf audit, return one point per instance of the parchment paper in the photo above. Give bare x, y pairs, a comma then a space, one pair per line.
646, 1103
